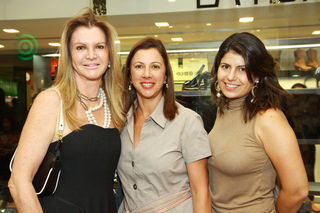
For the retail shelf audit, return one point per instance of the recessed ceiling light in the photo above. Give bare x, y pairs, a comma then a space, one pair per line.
171, 0
130, 37
246, 19
51, 55
208, 24
10, 30
117, 42
316, 32
161, 24
54, 44
1, 46
156, 36
177, 39
258, 30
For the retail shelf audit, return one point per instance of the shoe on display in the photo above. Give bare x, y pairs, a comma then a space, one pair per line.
299, 62
312, 58
205, 80
194, 83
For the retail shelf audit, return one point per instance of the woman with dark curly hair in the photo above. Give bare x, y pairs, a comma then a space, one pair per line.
252, 142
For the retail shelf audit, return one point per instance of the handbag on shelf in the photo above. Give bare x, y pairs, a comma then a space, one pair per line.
46, 179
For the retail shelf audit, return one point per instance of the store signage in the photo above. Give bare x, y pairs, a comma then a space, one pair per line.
99, 7
215, 3
27, 47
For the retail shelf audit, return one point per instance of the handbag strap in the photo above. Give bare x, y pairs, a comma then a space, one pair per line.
61, 123
60, 131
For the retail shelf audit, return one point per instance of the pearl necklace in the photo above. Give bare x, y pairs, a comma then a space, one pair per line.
107, 113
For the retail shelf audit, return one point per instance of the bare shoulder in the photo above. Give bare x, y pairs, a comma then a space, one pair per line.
272, 126
48, 100
270, 118
45, 108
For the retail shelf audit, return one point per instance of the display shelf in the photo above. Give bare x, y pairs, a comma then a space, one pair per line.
293, 73
208, 93
193, 93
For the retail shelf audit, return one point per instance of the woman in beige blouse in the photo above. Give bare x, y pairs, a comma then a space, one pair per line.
251, 140
164, 147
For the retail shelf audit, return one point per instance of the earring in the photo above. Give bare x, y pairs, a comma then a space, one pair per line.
255, 85
109, 65
217, 87
166, 84
130, 87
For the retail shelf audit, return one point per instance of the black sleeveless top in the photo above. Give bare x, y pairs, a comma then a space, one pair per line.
89, 158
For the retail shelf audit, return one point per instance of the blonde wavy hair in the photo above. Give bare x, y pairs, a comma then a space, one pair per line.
112, 79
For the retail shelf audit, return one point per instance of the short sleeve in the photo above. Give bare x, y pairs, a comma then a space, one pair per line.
195, 142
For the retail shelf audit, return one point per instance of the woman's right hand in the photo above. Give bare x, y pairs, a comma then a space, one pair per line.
37, 134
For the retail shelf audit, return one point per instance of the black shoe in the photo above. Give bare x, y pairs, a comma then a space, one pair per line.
194, 83
205, 80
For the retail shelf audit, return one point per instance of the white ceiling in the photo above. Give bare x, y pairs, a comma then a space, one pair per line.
274, 24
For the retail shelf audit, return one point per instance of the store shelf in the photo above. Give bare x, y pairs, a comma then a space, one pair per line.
296, 73
193, 93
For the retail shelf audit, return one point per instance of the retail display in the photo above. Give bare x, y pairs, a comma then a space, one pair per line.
300, 63
193, 84
312, 58
201, 81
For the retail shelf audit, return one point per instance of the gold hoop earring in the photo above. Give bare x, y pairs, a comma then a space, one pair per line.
255, 85
217, 87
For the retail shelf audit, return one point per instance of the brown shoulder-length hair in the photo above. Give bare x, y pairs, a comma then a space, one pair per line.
170, 108
258, 64
111, 81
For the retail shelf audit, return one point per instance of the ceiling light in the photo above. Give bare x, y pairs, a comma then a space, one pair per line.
246, 19
117, 42
10, 30
51, 55
162, 24
292, 46
130, 37
171, 0
208, 24
170, 27
177, 39
1, 46
316, 32
156, 36
214, 49
54, 44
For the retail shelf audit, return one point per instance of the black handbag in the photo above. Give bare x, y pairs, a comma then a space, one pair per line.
46, 179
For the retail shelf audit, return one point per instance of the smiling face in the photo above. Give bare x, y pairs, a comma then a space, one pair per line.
147, 71
89, 53
232, 76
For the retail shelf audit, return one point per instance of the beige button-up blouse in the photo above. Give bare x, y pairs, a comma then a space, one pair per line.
157, 166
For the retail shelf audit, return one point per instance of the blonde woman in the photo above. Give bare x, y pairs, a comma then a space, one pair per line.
88, 85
